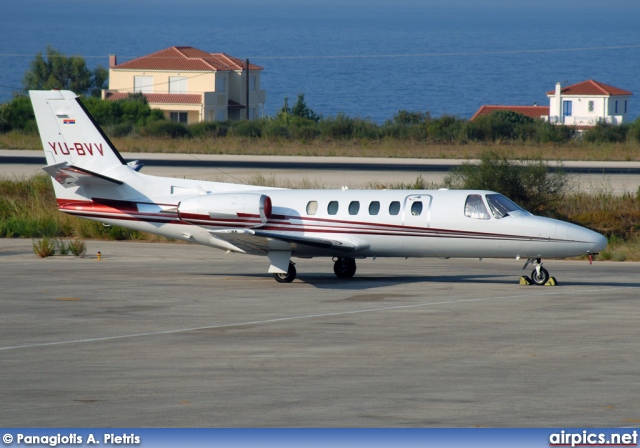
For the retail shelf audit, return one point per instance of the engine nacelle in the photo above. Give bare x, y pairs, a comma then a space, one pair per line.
226, 210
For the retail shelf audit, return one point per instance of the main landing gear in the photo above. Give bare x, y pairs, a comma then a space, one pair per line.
344, 267
289, 276
539, 276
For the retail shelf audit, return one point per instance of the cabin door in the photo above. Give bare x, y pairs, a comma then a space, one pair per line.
416, 210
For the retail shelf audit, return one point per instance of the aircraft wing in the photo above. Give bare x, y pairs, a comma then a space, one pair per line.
255, 241
72, 176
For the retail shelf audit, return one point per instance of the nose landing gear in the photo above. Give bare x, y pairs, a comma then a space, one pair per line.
539, 276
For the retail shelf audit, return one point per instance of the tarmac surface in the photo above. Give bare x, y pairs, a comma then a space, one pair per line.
175, 335
328, 172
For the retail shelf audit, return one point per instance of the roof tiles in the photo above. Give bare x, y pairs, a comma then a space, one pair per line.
529, 111
186, 59
166, 98
591, 87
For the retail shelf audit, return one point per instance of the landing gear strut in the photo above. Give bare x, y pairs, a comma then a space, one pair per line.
344, 267
539, 275
289, 276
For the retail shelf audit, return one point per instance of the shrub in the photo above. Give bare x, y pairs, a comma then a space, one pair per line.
46, 247
604, 133
501, 125
528, 182
445, 129
18, 115
209, 129
250, 128
165, 128
551, 133
77, 247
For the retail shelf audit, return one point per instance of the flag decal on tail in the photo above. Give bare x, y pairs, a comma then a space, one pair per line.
69, 121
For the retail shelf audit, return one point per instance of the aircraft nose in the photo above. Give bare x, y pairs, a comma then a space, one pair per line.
590, 241
599, 242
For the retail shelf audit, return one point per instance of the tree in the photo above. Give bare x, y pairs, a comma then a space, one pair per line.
529, 183
300, 109
58, 71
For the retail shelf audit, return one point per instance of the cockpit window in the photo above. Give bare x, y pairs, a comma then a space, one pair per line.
501, 206
474, 207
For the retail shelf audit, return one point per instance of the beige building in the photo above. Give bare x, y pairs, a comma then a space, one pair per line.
190, 85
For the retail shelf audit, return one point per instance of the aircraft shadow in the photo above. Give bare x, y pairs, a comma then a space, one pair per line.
364, 282
330, 281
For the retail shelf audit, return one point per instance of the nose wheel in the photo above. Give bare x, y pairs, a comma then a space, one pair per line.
539, 275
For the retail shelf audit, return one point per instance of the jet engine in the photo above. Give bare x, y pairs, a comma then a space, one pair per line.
226, 210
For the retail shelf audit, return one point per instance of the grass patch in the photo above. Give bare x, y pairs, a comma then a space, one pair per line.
357, 147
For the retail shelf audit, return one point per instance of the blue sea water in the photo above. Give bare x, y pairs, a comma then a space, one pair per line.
366, 58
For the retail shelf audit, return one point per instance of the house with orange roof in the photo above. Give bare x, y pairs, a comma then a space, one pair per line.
581, 105
190, 85
530, 111
587, 104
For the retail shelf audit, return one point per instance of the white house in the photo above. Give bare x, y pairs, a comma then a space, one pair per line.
587, 104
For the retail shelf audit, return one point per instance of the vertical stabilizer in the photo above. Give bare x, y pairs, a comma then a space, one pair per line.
69, 134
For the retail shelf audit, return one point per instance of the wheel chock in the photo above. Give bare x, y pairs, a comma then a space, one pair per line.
551, 282
524, 280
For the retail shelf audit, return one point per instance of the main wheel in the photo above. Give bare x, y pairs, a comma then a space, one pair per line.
344, 267
288, 277
540, 279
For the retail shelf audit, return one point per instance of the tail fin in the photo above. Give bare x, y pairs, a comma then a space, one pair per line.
70, 136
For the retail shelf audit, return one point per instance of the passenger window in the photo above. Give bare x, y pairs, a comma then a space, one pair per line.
312, 207
394, 208
332, 208
374, 208
416, 208
354, 207
474, 207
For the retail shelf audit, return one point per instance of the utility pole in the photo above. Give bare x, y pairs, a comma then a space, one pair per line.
247, 86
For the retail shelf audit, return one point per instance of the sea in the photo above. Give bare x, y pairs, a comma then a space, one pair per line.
363, 58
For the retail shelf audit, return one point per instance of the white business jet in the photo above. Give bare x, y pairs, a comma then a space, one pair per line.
93, 181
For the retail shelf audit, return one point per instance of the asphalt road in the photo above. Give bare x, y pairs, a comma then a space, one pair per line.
159, 335
328, 172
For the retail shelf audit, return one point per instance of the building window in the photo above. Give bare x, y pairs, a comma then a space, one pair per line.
566, 108
221, 84
625, 106
354, 207
177, 84
332, 208
591, 106
143, 84
394, 208
220, 115
374, 208
616, 106
180, 117
253, 82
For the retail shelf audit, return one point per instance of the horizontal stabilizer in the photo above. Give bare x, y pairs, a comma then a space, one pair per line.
72, 176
